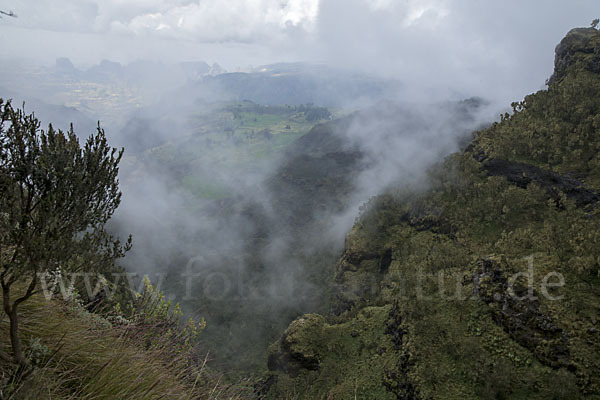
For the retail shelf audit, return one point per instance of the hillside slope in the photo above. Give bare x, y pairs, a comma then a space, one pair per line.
278, 241
77, 354
484, 286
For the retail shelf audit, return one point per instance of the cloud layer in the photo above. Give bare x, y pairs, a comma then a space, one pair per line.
453, 47
203, 21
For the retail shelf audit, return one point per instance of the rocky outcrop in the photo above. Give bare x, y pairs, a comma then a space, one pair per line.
522, 175
581, 45
365, 262
396, 379
290, 356
357, 277
521, 314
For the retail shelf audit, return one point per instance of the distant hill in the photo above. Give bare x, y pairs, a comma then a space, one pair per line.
137, 72
295, 84
60, 116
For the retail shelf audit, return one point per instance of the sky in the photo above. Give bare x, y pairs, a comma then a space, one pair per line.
472, 46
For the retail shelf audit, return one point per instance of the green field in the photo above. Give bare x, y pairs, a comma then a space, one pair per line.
229, 138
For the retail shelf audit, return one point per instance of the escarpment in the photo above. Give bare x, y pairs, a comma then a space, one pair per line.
484, 284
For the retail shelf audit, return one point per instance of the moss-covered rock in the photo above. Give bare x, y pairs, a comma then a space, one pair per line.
316, 359
581, 47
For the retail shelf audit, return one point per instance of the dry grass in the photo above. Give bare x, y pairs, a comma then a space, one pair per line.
83, 357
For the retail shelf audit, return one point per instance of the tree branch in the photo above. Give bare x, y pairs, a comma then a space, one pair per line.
6, 298
28, 294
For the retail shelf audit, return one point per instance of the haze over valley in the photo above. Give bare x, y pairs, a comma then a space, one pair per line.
289, 168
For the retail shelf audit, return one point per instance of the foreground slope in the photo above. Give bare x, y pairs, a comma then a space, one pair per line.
484, 286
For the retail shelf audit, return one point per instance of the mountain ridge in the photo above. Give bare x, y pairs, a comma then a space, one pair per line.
422, 303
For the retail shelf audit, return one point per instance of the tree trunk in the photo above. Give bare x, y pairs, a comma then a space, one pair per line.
14, 327
14, 337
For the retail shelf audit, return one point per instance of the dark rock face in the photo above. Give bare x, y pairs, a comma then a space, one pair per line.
573, 48
357, 277
523, 174
385, 261
396, 379
361, 269
521, 316
291, 362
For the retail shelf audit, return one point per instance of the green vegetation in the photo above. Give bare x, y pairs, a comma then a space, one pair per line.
556, 129
485, 285
143, 353
227, 137
56, 200
429, 300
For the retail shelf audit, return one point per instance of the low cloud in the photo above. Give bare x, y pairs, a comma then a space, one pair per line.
447, 47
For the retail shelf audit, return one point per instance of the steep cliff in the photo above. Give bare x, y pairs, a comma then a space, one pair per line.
484, 285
